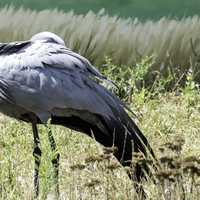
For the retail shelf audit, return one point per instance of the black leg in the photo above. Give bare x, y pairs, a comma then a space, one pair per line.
37, 155
55, 160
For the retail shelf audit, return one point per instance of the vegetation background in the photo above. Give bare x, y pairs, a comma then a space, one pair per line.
144, 9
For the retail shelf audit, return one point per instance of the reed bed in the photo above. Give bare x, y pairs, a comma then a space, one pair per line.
125, 41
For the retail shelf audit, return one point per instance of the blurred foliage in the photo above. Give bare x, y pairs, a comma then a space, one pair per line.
127, 42
127, 8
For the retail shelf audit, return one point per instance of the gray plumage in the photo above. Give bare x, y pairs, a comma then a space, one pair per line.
42, 78
41, 71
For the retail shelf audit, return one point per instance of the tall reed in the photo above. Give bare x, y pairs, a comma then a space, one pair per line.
125, 41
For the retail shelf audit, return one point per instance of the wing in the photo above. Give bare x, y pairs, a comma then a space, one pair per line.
43, 75
49, 91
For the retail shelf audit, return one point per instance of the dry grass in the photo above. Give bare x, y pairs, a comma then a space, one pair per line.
95, 36
172, 126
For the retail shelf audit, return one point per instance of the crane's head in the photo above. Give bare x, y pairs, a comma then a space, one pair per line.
49, 37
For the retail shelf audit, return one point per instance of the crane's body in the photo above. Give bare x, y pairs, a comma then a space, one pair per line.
41, 79
35, 75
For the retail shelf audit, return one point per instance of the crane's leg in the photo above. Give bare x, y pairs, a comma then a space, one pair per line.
55, 160
37, 155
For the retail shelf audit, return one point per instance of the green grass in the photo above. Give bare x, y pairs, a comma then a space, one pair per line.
163, 119
126, 8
